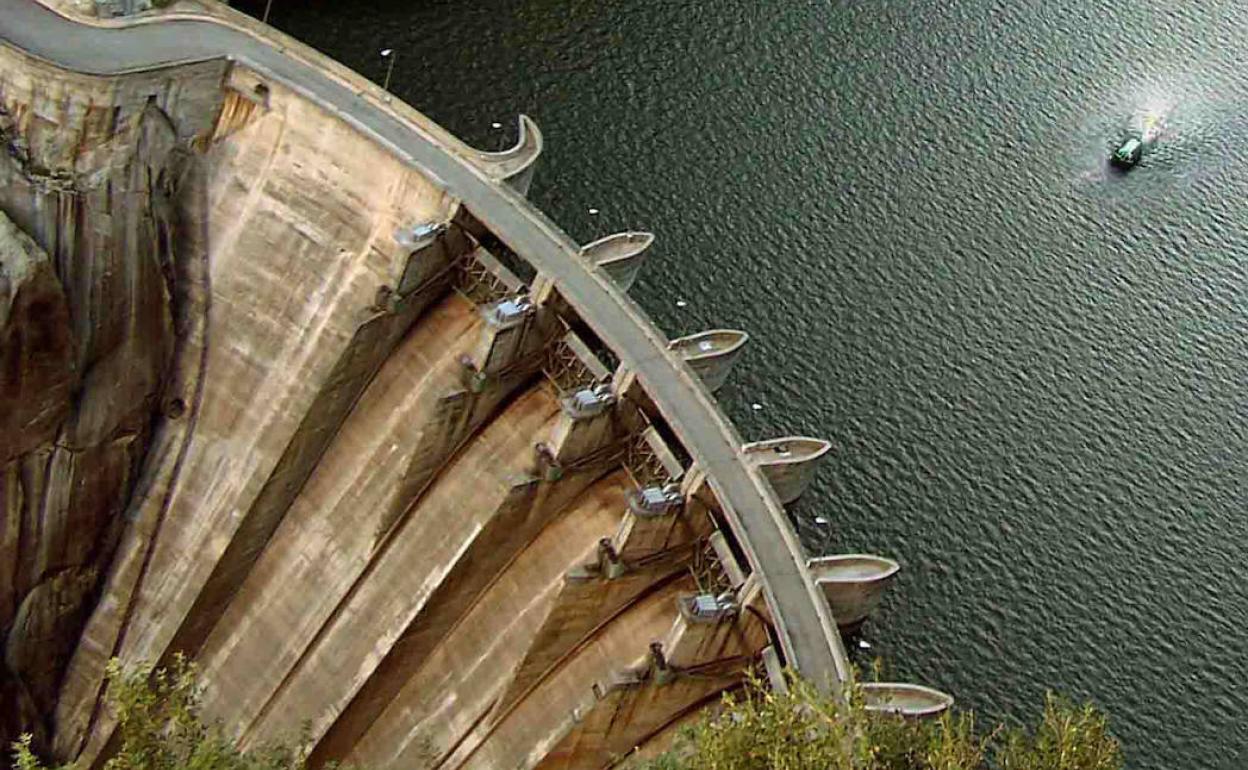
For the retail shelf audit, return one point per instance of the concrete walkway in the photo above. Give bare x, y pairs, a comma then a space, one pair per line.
806, 627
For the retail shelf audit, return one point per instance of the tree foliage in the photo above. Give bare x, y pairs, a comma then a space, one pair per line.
1069, 738
161, 728
763, 729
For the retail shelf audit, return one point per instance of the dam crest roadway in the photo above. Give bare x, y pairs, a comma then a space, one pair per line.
591, 281
808, 632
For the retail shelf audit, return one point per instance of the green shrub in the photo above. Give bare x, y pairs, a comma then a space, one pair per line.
761, 729
161, 728
1069, 737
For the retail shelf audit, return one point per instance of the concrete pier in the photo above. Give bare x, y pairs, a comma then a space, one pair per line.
788, 463
516, 164
619, 256
854, 584
711, 354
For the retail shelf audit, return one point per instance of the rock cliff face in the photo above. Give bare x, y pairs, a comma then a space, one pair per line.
37, 379
88, 302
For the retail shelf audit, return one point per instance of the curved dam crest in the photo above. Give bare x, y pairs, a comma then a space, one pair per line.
402, 463
1031, 366
511, 219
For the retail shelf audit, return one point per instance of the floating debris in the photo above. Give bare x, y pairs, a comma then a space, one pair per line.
756, 406
681, 303
820, 520
593, 211
863, 644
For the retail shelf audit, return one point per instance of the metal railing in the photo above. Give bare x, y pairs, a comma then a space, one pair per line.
566, 370
477, 283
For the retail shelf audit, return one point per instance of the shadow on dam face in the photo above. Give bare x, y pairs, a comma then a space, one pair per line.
376, 485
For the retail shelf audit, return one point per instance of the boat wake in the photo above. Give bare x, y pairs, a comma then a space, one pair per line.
1184, 139
1152, 127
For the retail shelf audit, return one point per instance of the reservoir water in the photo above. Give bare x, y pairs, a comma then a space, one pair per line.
1034, 369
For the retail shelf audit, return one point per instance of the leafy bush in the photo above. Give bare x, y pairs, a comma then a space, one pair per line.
762, 729
161, 728
1069, 738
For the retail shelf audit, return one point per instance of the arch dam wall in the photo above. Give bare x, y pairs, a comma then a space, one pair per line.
297, 384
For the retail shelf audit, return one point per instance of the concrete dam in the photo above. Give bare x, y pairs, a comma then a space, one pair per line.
299, 385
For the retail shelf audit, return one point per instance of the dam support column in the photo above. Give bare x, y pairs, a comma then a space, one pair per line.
510, 346
711, 645
653, 544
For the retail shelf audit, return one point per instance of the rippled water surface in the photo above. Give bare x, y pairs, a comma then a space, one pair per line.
1034, 369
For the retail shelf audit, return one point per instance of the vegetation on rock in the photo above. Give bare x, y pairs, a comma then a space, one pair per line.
162, 728
763, 729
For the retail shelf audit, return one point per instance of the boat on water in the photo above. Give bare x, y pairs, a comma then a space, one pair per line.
788, 463
711, 353
853, 585
907, 700
1128, 153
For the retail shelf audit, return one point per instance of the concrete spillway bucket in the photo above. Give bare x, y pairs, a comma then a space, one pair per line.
788, 463
711, 354
907, 700
619, 255
853, 585
516, 164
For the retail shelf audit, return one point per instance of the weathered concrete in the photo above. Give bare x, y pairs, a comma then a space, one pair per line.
642, 556
275, 378
854, 585
386, 490
711, 354
487, 489
619, 256
695, 659
806, 627
341, 514
909, 700
788, 463
472, 665
531, 727
516, 165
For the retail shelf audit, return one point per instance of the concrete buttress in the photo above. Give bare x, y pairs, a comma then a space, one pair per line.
303, 387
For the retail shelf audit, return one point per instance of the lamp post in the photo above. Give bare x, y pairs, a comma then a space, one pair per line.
268, 6
391, 55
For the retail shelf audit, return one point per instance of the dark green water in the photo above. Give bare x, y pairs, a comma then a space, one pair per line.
1034, 369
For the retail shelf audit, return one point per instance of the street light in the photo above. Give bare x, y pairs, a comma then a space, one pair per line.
391, 55
268, 6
